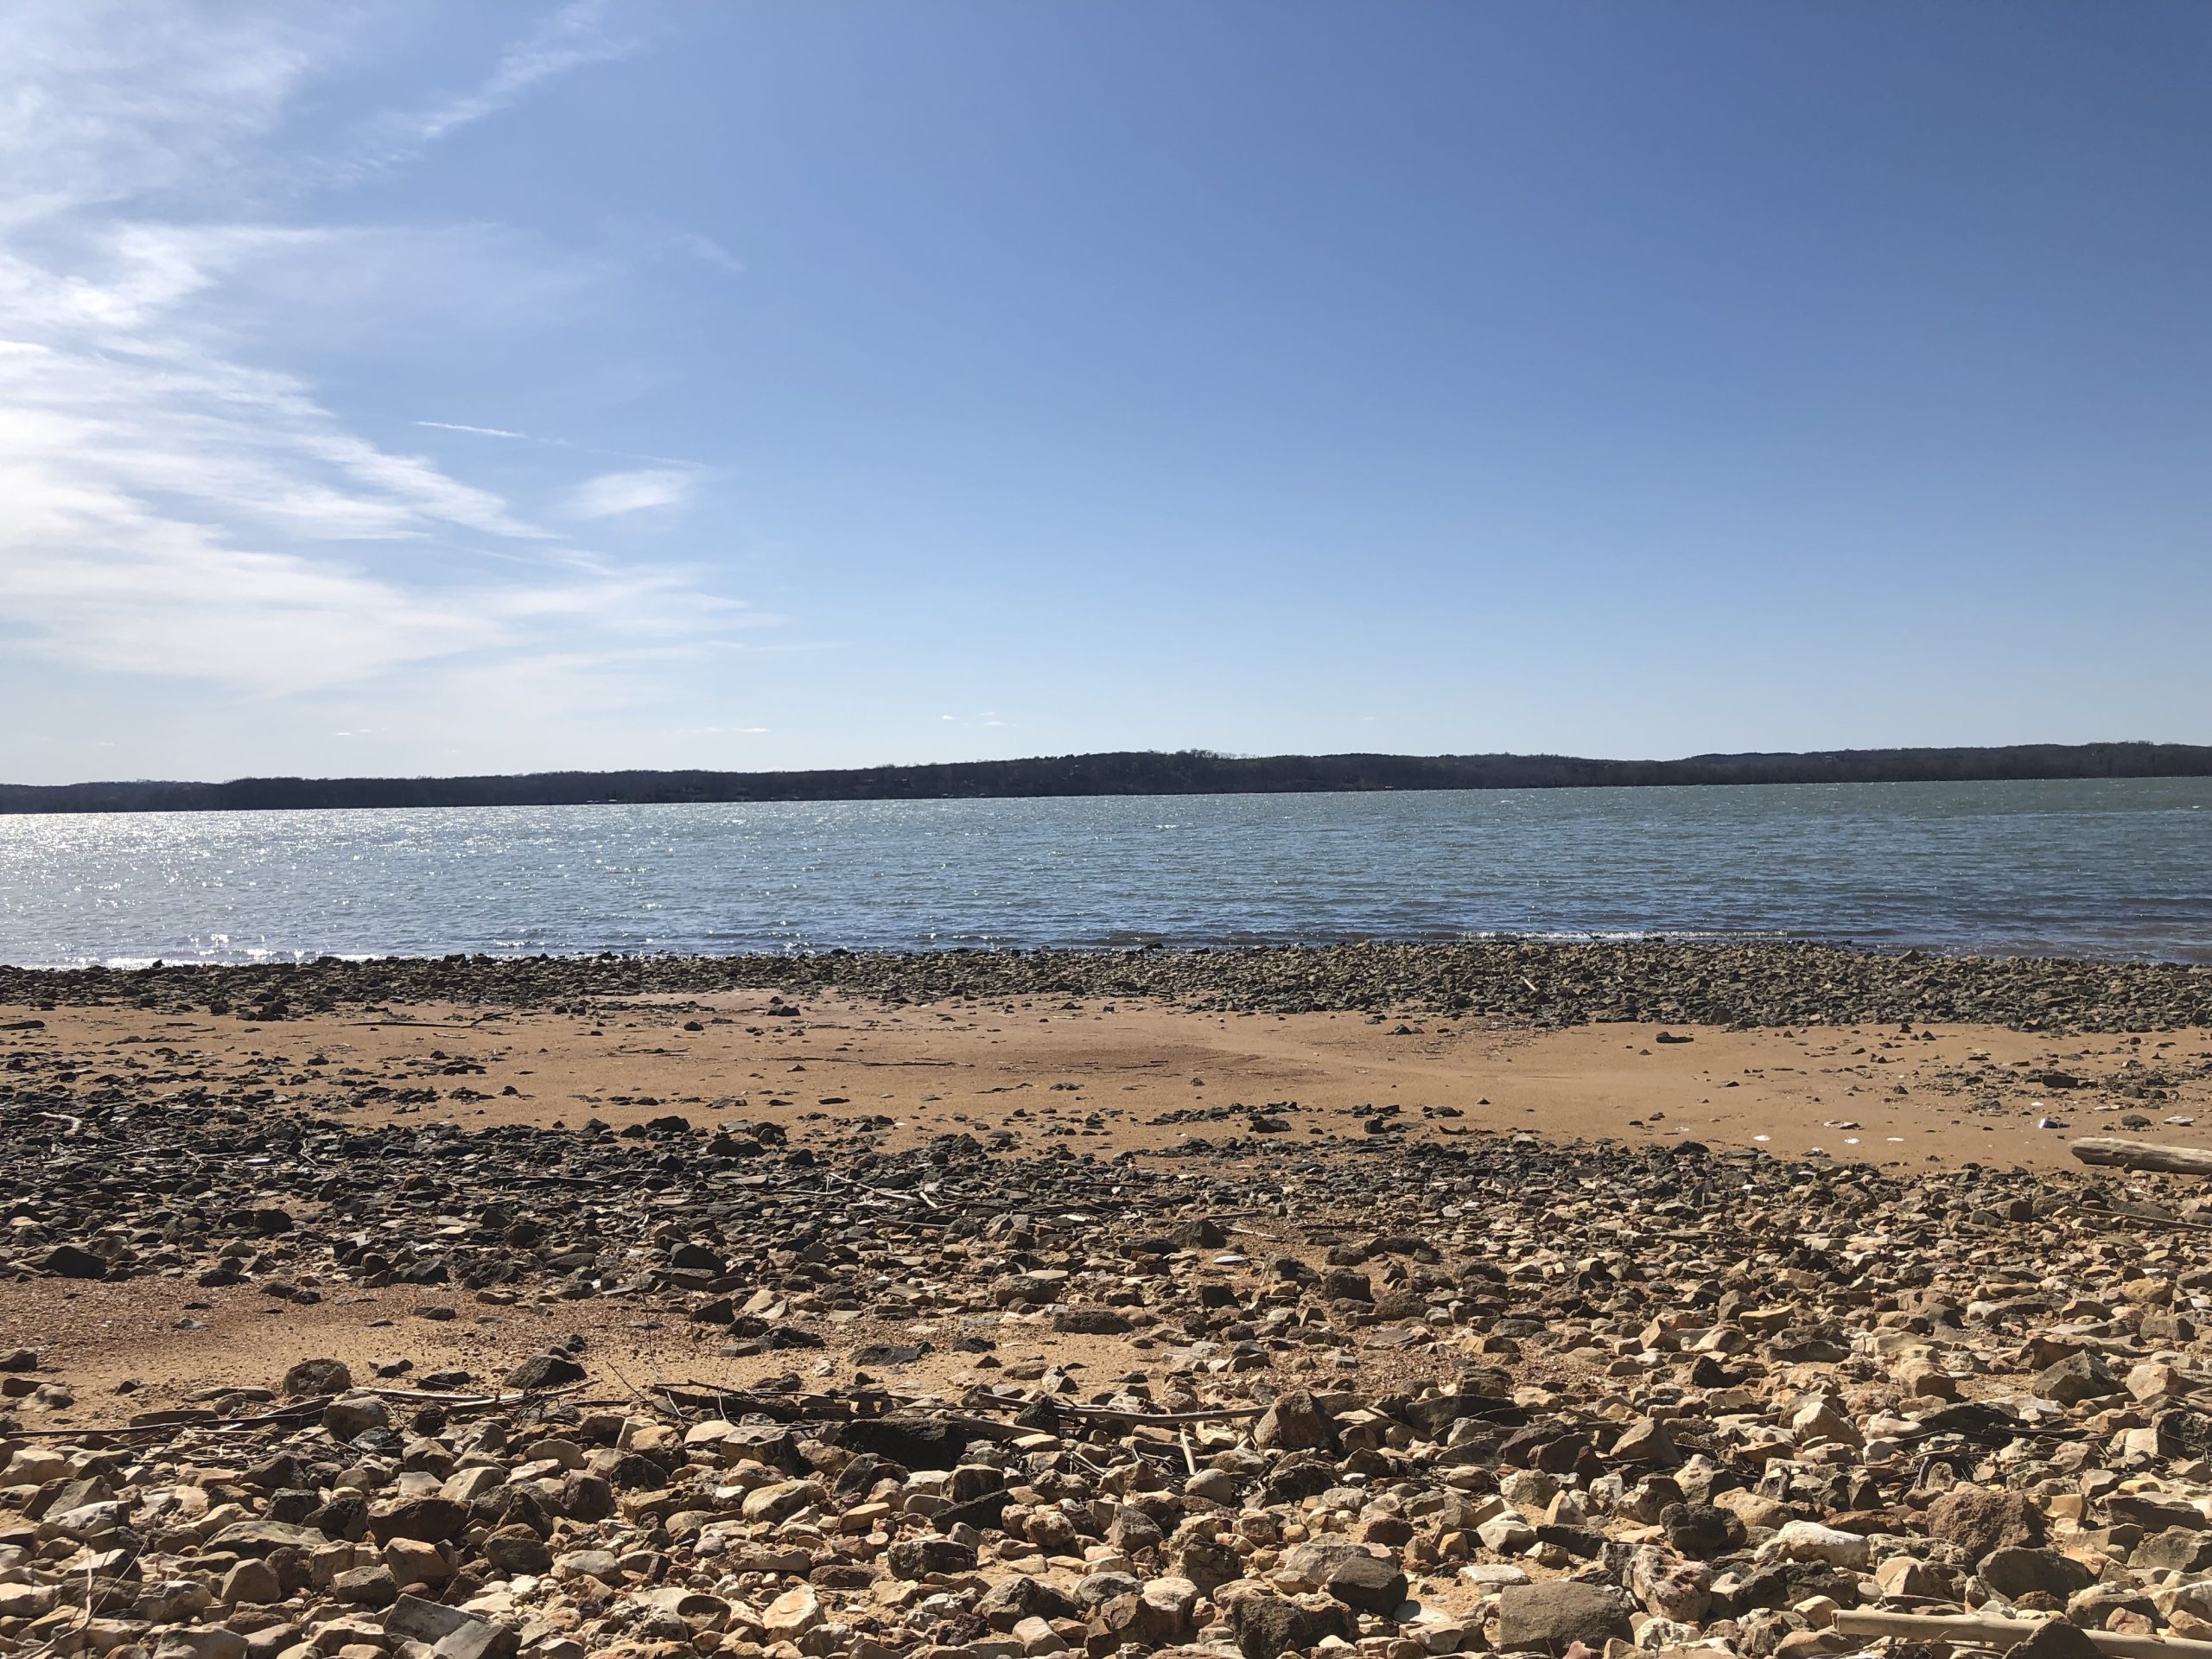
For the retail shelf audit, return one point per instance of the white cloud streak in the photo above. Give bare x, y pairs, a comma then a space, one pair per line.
570, 38
175, 504
477, 431
102, 101
612, 494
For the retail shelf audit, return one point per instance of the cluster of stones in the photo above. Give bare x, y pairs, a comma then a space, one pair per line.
1521, 980
1481, 1513
1387, 1399
1487, 1238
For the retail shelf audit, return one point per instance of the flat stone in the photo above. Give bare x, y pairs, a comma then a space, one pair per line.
1550, 1615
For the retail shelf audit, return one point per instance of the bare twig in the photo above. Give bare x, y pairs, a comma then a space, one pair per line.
2139, 1212
1217, 1414
1979, 1632
297, 1411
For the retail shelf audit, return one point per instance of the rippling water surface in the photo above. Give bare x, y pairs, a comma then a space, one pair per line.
2097, 868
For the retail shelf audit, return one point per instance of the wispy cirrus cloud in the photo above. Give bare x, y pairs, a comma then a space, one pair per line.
572, 37
474, 431
178, 501
611, 495
111, 102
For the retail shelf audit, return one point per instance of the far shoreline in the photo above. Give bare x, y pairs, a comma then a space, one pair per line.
1138, 773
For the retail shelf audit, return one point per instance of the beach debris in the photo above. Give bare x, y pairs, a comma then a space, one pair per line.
2114, 1153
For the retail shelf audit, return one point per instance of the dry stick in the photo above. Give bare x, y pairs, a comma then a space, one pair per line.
1108, 1413
1219, 1415
884, 1192
83, 1624
2116, 1153
476, 1401
642, 1399
985, 1427
2006, 1632
297, 1411
723, 1393
2136, 1212
1115, 1414
2014, 1431
1190, 1458
669, 1396
290, 1414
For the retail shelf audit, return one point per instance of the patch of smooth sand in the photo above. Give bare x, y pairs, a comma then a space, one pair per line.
1096, 1077
1129, 1076
150, 1343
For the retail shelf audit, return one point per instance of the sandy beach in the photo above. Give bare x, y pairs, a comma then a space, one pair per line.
824, 1204
1133, 1079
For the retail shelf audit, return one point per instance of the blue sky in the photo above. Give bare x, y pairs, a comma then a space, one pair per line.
422, 388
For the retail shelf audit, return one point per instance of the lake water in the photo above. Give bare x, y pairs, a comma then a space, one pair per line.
2091, 868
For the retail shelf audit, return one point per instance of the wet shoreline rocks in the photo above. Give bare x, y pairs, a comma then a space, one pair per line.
1510, 981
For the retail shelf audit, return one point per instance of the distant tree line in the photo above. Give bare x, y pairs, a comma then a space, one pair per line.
1188, 771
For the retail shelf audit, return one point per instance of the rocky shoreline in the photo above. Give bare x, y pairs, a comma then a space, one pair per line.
1534, 983
291, 1369
1371, 1400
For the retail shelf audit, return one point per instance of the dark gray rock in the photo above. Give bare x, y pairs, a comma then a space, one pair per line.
1549, 1615
2015, 1572
1266, 1625
1293, 1423
1978, 1519
2077, 1377
548, 1371
922, 1558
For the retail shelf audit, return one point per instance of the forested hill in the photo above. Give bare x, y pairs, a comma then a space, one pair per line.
1188, 771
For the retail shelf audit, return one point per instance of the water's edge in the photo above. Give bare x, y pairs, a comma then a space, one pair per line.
1511, 982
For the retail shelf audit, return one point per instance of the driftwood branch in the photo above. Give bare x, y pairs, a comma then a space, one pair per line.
1164, 1419
973, 1403
2118, 1153
298, 1411
1976, 1630
472, 1401
2144, 1214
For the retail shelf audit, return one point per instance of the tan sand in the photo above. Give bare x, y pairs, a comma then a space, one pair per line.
1105, 1076
1102, 1079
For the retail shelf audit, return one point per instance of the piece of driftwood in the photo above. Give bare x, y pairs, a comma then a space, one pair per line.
298, 1411
92, 1432
1114, 1414
1974, 1630
472, 1401
2118, 1153
2145, 1214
